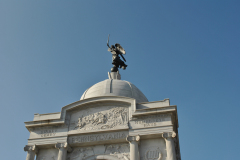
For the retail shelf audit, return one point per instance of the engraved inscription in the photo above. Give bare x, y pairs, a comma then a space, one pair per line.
48, 132
150, 125
98, 137
151, 121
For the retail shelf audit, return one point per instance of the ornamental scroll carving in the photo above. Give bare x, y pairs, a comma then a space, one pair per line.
32, 148
107, 119
169, 135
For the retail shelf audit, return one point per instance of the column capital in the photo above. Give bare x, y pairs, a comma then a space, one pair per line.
169, 135
63, 145
133, 138
32, 148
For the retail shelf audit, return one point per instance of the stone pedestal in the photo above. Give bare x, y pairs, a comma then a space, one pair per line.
63, 148
134, 152
170, 147
32, 150
114, 75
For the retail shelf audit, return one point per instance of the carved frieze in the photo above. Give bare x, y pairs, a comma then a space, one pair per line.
120, 151
91, 119
81, 153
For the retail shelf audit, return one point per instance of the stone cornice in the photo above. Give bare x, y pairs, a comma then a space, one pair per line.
77, 104
147, 111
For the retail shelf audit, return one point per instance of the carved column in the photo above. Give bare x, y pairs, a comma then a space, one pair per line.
32, 150
63, 148
134, 152
170, 146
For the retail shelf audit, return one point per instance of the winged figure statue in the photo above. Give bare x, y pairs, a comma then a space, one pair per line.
117, 51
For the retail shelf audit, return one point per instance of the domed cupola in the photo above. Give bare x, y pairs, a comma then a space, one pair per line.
114, 87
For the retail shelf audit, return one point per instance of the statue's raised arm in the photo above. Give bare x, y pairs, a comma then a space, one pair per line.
116, 60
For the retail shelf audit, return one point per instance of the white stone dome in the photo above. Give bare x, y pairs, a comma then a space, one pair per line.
115, 87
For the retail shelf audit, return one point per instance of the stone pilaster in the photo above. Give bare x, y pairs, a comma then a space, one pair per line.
31, 151
134, 152
170, 146
63, 148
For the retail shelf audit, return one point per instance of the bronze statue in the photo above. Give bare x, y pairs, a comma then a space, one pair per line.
116, 61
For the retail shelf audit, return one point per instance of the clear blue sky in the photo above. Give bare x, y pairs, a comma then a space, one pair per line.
51, 51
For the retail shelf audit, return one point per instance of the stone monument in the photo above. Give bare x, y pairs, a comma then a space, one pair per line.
113, 120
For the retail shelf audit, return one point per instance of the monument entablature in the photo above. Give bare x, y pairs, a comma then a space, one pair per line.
102, 122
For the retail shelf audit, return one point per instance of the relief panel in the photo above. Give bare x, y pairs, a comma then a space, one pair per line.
153, 149
47, 154
150, 121
119, 151
99, 118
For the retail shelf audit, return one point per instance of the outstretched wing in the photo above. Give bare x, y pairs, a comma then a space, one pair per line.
120, 48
